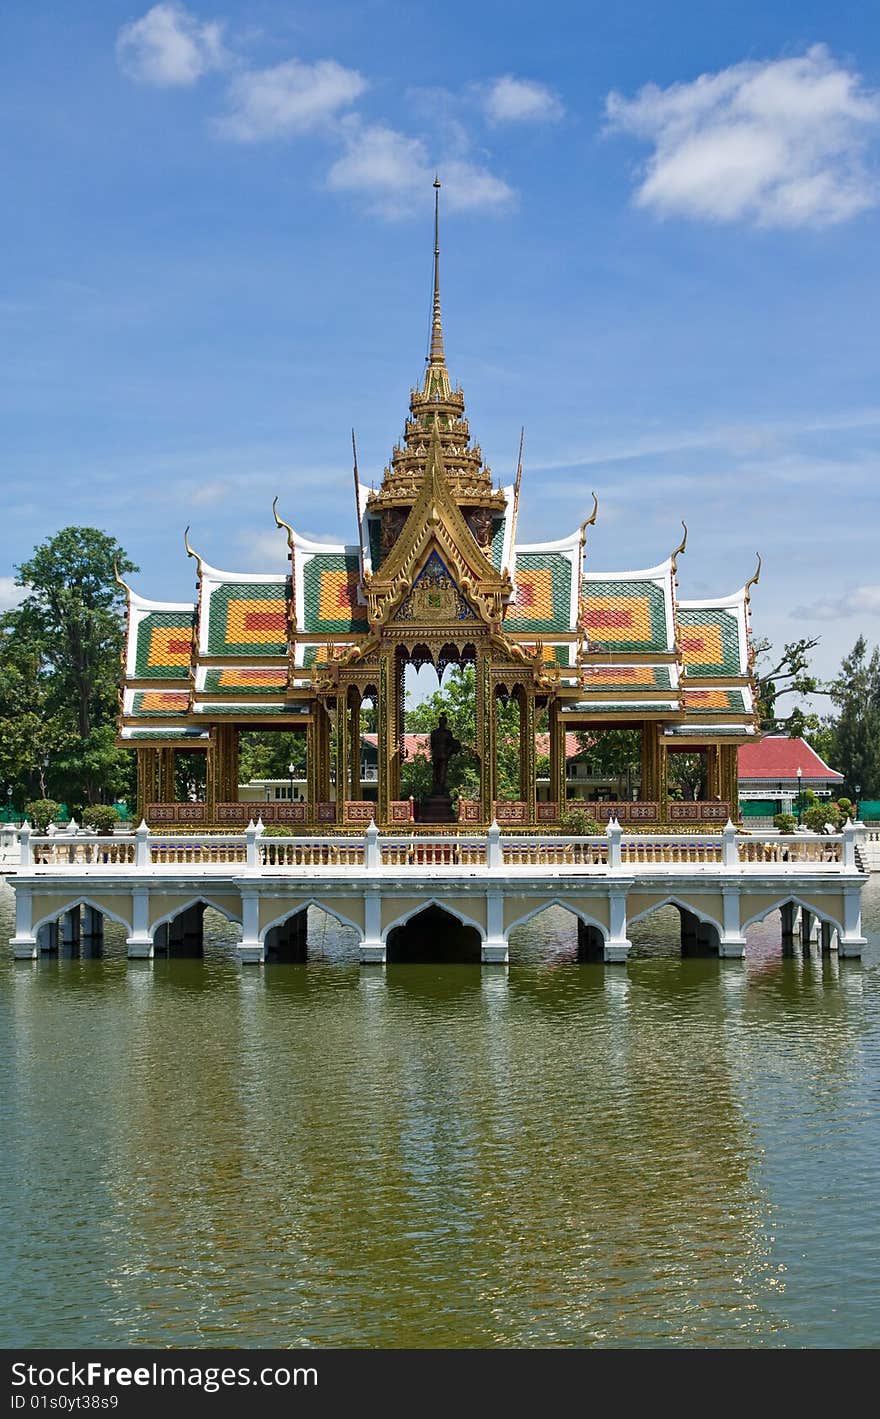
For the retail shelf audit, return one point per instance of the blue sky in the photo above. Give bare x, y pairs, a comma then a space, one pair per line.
660, 227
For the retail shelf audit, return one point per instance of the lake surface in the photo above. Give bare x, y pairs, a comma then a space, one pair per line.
670, 1153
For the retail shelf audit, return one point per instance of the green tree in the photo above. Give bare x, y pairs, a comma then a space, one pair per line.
780, 675
267, 753
856, 693
613, 753
61, 647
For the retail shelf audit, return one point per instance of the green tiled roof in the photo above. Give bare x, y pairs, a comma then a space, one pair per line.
248, 618
709, 639
543, 594
330, 587
602, 678
497, 551
233, 682
620, 707
715, 701
164, 642
624, 615
160, 702
374, 528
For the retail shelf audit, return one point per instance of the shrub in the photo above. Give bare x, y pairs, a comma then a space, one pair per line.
576, 823
784, 822
40, 812
103, 817
821, 814
846, 808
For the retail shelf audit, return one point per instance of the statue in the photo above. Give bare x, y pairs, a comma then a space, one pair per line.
443, 746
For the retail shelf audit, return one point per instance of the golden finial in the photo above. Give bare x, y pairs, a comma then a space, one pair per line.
590, 522
190, 552
753, 580
118, 579
680, 548
279, 522
436, 354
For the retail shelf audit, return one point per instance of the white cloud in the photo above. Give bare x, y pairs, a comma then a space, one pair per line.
511, 100
289, 99
169, 47
862, 601
395, 173
777, 143
10, 594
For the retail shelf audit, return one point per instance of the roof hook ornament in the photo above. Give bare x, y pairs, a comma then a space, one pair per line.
591, 520
118, 579
680, 548
753, 580
279, 522
190, 552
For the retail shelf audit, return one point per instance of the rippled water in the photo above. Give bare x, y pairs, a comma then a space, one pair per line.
675, 1152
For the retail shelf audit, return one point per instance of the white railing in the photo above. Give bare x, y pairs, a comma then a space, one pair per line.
611, 852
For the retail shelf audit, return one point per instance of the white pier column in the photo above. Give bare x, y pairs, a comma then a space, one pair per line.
617, 947
372, 945
732, 945
139, 945
24, 942
495, 949
851, 942
251, 950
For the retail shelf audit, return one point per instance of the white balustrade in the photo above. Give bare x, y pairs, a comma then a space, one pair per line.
614, 852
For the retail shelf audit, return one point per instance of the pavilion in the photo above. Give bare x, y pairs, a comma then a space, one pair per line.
436, 574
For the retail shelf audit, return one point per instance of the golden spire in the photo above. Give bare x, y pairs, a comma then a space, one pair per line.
436, 355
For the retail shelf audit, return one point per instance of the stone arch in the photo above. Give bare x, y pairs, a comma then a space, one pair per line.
592, 932
792, 899
448, 937
432, 902
674, 901
200, 899
568, 906
701, 932
304, 906
81, 901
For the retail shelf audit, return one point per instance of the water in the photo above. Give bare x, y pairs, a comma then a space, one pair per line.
672, 1153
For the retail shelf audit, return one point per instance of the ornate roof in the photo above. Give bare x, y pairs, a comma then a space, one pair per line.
545, 580
629, 611
714, 636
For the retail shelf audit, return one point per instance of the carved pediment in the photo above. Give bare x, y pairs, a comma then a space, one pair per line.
435, 598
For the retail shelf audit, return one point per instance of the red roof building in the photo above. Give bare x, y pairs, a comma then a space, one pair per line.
774, 763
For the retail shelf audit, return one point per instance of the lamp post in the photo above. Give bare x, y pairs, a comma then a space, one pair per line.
800, 779
291, 770
9, 804
856, 786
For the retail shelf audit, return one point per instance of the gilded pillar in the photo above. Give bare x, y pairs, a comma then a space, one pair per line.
354, 743
527, 755
211, 796
322, 753
649, 791
342, 762
662, 779
729, 776
386, 731
557, 757
713, 771
311, 764
167, 764
487, 722
147, 773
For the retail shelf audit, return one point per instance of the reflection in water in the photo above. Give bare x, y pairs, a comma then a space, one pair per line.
554, 1154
